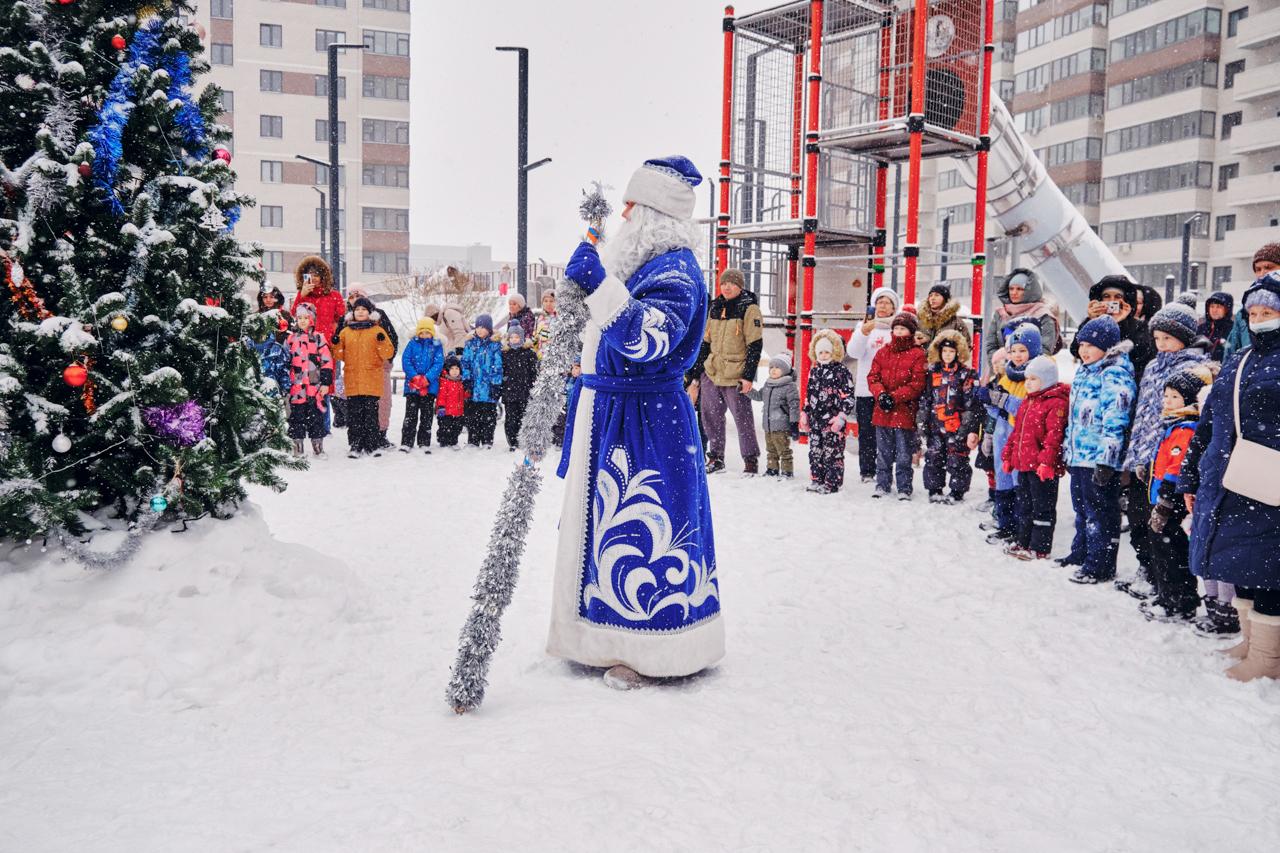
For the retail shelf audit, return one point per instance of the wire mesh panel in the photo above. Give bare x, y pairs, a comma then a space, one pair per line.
764, 123
846, 193
867, 75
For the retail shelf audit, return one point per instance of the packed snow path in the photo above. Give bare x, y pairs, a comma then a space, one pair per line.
892, 683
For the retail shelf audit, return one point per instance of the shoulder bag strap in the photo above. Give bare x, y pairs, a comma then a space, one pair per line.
1239, 376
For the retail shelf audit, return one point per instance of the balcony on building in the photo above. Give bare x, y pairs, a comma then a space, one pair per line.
1259, 31
1254, 84
1244, 242
1253, 137
1251, 190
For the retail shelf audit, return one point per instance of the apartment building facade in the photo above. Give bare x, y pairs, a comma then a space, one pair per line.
270, 58
1148, 114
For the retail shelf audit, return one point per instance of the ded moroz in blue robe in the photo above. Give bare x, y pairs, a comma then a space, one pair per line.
635, 576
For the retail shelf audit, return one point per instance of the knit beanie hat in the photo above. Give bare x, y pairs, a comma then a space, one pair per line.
451, 361
1178, 320
733, 276
515, 329
1043, 368
907, 319
305, 308
1188, 383
1188, 299
484, 321
1103, 333
782, 361
516, 297
881, 292
426, 324
943, 289
1265, 292
1028, 334
364, 303
1269, 252
948, 343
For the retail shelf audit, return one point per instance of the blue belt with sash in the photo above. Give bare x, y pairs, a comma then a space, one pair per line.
654, 384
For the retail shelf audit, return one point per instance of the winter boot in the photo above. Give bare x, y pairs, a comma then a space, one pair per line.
1000, 537
750, 466
298, 448
1013, 549
771, 472
880, 493
904, 496
623, 677
317, 447
1069, 560
1243, 608
715, 464
935, 498
404, 448
1219, 618
1087, 578
1158, 610
1263, 660
988, 526
1137, 586
787, 475
427, 450
820, 489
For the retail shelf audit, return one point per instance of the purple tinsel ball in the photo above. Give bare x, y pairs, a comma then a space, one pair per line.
182, 424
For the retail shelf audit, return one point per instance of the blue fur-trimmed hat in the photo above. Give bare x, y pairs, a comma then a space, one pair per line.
666, 185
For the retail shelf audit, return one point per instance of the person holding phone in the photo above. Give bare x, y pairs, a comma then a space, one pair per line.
1115, 296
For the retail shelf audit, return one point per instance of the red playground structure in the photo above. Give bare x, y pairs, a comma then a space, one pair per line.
820, 98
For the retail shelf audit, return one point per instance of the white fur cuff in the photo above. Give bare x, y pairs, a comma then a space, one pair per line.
608, 301
663, 192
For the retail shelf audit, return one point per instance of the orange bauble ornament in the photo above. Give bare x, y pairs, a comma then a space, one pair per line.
75, 375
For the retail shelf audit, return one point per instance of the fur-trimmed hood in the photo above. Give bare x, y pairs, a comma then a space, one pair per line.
963, 350
317, 266
1034, 291
837, 345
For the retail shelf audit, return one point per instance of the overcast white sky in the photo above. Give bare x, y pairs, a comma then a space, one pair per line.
613, 83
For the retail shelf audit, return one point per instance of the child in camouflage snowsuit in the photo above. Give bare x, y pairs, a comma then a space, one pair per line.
828, 405
949, 418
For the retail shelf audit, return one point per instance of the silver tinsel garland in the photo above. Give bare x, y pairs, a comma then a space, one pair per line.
501, 568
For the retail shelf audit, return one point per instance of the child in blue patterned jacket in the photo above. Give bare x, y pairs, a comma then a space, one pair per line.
1102, 396
482, 378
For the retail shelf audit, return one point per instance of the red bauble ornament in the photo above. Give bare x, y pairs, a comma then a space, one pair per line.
85, 169
213, 301
282, 324
118, 42
222, 154
66, 2
75, 375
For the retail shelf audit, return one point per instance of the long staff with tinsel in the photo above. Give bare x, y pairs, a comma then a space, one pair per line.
501, 568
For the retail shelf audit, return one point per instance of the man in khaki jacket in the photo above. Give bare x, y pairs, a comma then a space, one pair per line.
726, 369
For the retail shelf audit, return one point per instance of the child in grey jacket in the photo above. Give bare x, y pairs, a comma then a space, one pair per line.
781, 400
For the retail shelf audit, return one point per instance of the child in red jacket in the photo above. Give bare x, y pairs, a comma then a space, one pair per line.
896, 382
450, 404
1034, 450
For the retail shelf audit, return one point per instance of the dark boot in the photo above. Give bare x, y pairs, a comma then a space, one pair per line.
1219, 619
298, 447
750, 466
317, 446
715, 464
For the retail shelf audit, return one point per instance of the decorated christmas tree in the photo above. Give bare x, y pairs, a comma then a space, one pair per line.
126, 381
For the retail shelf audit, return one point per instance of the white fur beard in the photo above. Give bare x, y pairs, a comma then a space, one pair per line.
645, 236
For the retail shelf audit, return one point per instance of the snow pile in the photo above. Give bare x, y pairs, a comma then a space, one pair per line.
892, 683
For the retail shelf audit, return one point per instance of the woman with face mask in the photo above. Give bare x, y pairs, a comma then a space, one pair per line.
1234, 538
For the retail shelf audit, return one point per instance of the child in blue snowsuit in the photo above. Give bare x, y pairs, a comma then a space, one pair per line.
482, 378
422, 361
274, 360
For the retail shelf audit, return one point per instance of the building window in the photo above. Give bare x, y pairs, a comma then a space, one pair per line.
1226, 173
386, 42
392, 5
1199, 124
272, 216
271, 35
1162, 179
324, 38
322, 131
1075, 151
1191, 25
1082, 62
322, 86
1005, 90
228, 100
384, 219
385, 130
270, 81
271, 171
380, 175
1081, 194
1221, 275
322, 219
1006, 10
1178, 79
271, 127
322, 176
1233, 23
1165, 227
1224, 225
959, 213
336, 4
1229, 72
1230, 121
390, 88
1063, 25
273, 261
950, 180
385, 262
1119, 7
221, 54
226, 9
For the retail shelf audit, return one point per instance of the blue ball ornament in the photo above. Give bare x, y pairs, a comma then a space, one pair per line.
159, 504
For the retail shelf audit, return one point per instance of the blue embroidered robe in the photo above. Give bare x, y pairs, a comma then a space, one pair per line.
635, 568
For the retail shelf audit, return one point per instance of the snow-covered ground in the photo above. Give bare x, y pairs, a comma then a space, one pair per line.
892, 683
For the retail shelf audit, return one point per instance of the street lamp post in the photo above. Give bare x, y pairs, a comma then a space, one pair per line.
523, 168
334, 245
